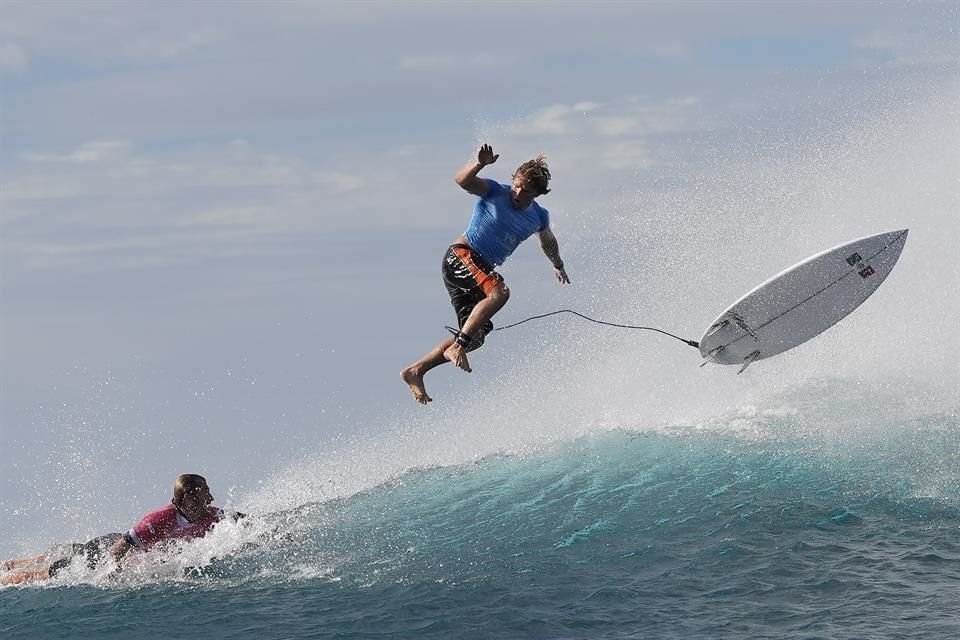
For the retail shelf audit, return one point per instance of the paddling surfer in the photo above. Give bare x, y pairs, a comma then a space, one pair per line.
190, 515
503, 217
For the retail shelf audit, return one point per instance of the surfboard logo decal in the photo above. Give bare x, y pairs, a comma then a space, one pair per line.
854, 259
867, 272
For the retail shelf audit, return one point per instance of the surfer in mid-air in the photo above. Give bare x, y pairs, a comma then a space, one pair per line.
503, 217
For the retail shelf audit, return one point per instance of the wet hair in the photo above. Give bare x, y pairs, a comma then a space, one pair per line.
186, 483
537, 172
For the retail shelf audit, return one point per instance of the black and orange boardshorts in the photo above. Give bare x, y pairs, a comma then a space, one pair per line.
469, 279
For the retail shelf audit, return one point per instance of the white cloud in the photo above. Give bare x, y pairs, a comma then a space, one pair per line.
237, 164
167, 47
34, 187
13, 58
615, 125
110, 183
675, 50
626, 155
446, 62
557, 119
113, 252
95, 152
339, 182
675, 114
615, 120
226, 215
595, 141
910, 48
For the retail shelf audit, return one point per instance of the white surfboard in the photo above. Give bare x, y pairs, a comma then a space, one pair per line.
802, 301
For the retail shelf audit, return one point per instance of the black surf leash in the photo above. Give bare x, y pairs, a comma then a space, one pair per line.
692, 343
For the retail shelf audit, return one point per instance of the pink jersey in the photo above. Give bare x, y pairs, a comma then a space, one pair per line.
167, 524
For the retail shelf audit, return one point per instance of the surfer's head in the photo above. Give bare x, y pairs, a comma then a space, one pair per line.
531, 179
191, 493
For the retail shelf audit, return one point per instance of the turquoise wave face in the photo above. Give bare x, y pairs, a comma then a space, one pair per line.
662, 503
834, 530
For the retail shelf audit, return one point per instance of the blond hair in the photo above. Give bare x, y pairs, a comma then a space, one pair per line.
186, 483
537, 172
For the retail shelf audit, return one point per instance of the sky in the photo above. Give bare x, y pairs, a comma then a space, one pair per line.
222, 225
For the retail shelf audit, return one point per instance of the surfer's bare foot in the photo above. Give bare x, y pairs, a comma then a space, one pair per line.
415, 382
456, 354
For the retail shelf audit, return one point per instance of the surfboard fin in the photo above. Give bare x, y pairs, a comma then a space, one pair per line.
716, 327
748, 361
712, 356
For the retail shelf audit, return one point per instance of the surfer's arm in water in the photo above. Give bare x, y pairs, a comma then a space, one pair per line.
551, 248
120, 549
467, 176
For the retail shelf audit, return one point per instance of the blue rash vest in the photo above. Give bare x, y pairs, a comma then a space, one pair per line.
497, 229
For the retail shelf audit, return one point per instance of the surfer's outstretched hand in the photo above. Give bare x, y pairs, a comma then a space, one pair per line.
486, 155
562, 276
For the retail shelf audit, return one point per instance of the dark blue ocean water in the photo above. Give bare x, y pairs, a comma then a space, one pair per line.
771, 526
